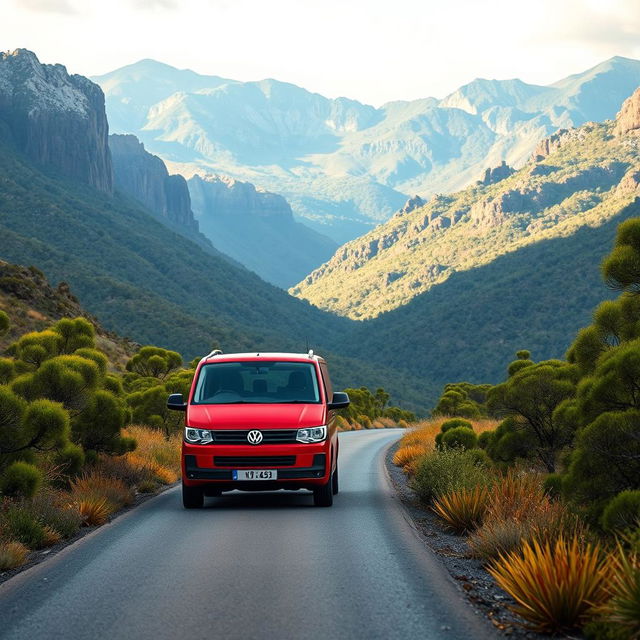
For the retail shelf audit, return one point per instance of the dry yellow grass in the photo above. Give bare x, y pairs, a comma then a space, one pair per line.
161, 456
12, 555
96, 485
94, 510
421, 439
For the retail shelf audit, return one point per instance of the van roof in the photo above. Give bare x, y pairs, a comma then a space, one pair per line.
291, 357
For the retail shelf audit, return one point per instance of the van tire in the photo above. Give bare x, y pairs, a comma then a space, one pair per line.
323, 495
192, 497
334, 482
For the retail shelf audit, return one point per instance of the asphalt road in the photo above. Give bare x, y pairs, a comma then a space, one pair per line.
249, 566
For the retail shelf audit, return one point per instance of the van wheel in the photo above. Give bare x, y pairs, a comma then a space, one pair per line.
334, 482
323, 495
192, 497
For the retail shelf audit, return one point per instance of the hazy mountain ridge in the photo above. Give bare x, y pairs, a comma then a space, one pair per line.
344, 165
257, 229
577, 177
144, 280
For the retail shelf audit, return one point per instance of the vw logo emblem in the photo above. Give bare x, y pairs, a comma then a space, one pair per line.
254, 437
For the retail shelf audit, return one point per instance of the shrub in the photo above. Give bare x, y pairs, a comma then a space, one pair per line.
70, 459
623, 512
448, 470
454, 423
19, 524
12, 555
485, 439
460, 437
555, 586
94, 510
496, 537
464, 509
96, 485
51, 536
623, 607
52, 510
408, 454
21, 479
553, 485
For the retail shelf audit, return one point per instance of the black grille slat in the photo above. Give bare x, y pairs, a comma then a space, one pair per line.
254, 461
239, 436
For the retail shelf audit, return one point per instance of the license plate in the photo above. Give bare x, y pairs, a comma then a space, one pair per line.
255, 474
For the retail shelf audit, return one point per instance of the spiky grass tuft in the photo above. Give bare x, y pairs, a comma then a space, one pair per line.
557, 587
464, 509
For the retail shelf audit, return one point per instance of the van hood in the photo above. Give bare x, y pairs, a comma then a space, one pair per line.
255, 416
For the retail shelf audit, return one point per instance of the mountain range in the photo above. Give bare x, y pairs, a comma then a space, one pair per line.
345, 166
141, 273
463, 280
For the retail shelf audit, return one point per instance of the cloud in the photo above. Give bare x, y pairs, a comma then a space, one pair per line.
49, 6
598, 25
155, 4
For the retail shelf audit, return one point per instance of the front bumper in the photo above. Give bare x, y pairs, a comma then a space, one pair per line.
298, 465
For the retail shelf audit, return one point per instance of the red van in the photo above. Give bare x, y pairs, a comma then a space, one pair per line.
260, 422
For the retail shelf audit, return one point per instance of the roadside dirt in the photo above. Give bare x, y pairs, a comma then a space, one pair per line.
473, 581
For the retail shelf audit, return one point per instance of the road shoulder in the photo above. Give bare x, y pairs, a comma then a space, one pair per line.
471, 579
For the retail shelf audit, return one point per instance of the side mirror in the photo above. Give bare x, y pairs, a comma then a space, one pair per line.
340, 400
176, 402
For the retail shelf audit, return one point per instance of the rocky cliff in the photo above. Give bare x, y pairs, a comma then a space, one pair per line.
56, 119
145, 177
629, 117
257, 228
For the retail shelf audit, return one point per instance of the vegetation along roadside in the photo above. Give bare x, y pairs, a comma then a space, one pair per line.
537, 479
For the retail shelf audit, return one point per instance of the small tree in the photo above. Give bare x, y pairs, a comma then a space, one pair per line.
154, 362
530, 397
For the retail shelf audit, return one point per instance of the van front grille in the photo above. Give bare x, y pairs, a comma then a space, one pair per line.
254, 461
269, 436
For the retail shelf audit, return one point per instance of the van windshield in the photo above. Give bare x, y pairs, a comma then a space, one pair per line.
257, 383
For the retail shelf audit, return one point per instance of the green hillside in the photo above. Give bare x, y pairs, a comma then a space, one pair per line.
582, 177
467, 327
145, 281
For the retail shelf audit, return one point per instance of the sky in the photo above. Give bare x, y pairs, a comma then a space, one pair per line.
374, 51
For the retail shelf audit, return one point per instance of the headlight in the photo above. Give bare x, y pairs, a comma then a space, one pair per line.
312, 434
198, 436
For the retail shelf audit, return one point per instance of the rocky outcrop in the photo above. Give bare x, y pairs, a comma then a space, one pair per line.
549, 145
145, 177
221, 196
628, 119
58, 120
410, 205
496, 174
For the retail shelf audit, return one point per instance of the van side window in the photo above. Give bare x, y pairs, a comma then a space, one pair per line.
328, 387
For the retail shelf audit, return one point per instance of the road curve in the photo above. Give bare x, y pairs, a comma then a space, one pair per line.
250, 566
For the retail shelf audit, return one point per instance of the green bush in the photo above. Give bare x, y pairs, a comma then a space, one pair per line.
454, 423
20, 524
485, 439
4, 323
7, 370
446, 470
460, 437
622, 513
553, 485
70, 459
21, 479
